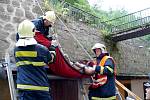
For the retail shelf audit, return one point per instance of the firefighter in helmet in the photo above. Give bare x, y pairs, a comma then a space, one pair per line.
43, 26
31, 60
103, 74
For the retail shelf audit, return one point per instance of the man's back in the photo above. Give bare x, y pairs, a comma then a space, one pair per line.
30, 61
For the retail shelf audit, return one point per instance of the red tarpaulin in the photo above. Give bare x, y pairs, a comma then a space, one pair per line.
62, 68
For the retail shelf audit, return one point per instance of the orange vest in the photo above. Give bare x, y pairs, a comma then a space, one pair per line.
99, 79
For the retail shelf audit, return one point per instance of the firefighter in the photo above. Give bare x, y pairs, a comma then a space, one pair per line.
103, 74
31, 60
43, 25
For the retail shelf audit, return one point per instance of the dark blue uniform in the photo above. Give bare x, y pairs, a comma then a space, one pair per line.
108, 89
32, 80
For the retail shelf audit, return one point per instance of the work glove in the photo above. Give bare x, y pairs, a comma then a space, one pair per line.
54, 43
53, 53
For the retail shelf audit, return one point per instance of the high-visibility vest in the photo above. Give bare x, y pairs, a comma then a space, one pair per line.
98, 78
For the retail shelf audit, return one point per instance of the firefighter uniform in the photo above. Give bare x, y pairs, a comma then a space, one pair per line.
31, 60
42, 25
103, 86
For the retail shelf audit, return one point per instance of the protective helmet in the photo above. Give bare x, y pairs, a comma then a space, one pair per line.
50, 16
26, 29
26, 33
100, 46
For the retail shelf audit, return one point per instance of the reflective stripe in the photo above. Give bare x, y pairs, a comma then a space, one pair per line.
30, 63
110, 69
26, 54
31, 87
102, 70
109, 98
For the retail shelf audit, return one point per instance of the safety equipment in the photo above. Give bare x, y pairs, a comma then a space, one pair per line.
26, 32
26, 29
100, 46
50, 16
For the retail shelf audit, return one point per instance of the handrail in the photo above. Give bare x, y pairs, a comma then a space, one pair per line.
127, 90
126, 15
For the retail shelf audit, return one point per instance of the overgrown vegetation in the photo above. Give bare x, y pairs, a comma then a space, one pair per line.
55, 5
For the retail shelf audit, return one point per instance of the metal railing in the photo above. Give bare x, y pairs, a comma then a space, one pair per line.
113, 26
130, 21
77, 14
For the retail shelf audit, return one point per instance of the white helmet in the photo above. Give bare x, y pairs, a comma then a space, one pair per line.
100, 46
26, 33
50, 16
26, 29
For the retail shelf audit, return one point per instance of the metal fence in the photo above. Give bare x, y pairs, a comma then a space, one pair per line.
82, 16
131, 21
117, 25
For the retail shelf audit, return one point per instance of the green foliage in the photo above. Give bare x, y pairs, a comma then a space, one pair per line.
56, 6
47, 5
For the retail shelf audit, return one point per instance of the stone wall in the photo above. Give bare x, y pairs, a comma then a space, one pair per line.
12, 12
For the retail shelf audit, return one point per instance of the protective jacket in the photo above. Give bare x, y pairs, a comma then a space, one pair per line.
42, 32
104, 79
39, 24
31, 73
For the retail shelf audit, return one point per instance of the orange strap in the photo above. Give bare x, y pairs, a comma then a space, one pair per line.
102, 62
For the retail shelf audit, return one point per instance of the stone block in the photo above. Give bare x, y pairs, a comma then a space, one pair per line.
17, 19
10, 8
2, 9
9, 27
37, 10
19, 12
13, 37
5, 1
25, 6
29, 14
16, 3
4, 43
5, 17
3, 34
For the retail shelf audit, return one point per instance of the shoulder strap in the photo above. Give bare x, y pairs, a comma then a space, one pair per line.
102, 62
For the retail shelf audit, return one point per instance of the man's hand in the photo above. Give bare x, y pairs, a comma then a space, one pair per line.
53, 53
54, 43
79, 64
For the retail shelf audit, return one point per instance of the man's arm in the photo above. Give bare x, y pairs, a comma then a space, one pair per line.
41, 39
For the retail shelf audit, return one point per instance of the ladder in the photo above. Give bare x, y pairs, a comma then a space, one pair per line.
10, 77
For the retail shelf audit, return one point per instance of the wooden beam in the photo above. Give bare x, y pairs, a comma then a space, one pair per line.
127, 90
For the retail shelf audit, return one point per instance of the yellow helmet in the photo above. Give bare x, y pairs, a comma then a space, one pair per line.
26, 29
100, 46
50, 16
